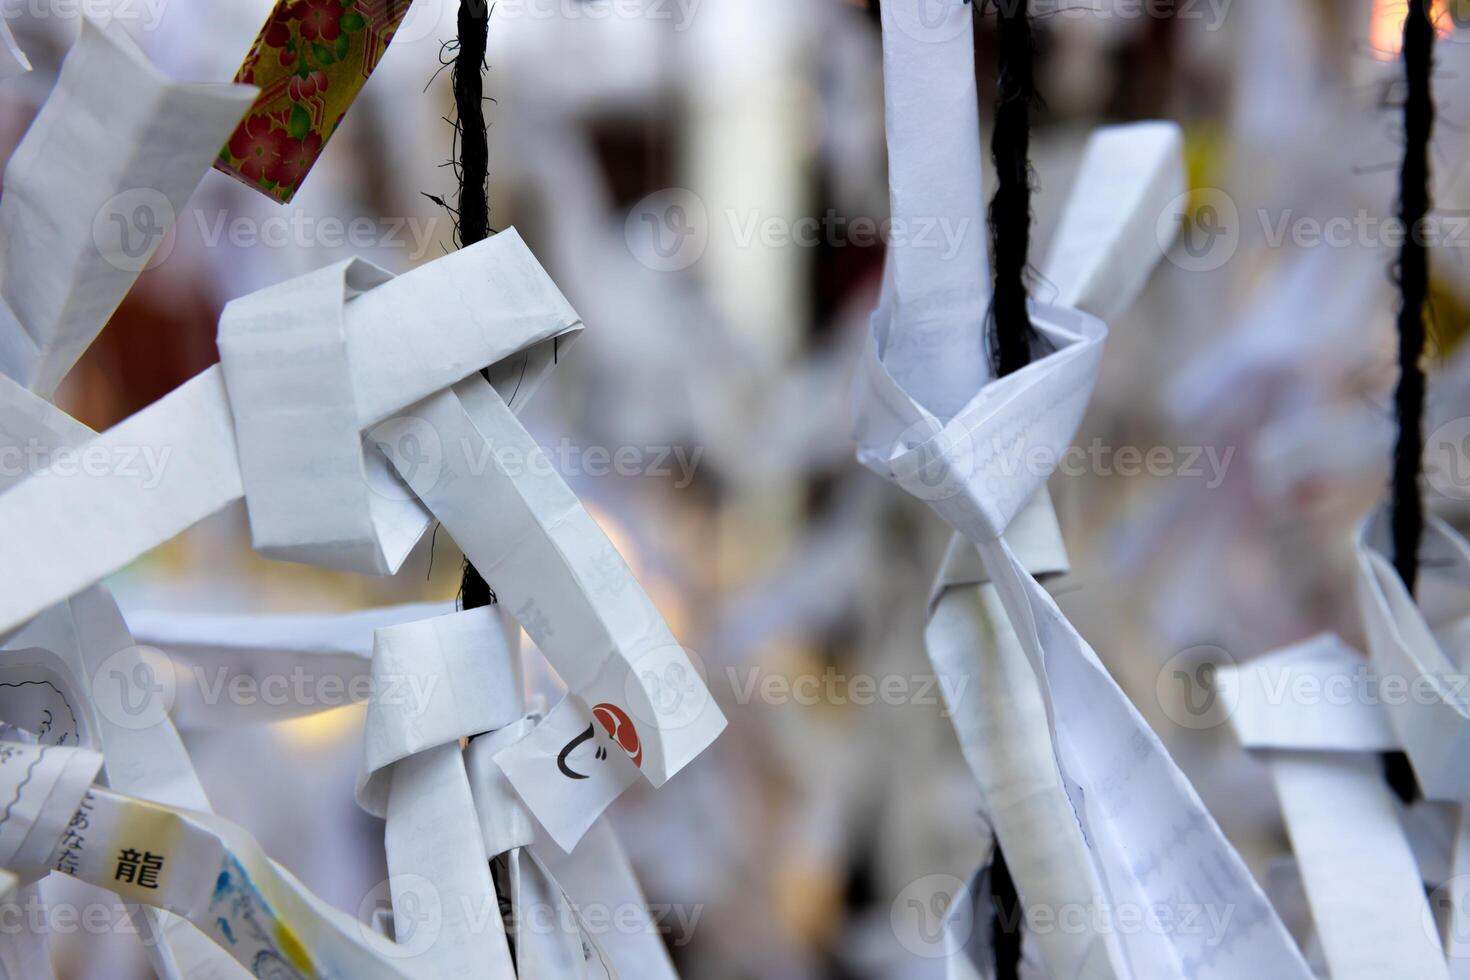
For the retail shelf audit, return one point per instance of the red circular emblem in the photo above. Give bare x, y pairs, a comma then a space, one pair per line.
620, 727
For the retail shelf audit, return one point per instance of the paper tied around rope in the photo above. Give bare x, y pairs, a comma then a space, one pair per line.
1434, 723
982, 468
479, 306
311, 487
434, 682
556, 571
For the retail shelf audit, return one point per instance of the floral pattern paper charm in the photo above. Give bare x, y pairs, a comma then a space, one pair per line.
311, 59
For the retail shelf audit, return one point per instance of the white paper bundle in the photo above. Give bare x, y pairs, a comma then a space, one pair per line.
471, 309
1127, 830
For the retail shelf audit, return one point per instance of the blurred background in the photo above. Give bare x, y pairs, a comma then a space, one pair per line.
705, 180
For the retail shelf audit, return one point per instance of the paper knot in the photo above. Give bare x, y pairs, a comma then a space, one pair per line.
979, 469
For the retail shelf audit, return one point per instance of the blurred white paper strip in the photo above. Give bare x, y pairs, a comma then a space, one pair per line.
1433, 724
93, 191
175, 463
552, 567
13, 60
215, 652
1360, 875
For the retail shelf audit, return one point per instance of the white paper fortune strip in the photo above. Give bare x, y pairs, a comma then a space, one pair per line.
458, 676
266, 654
472, 308
197, 866
1148, 840
557, 573
1360, 875
93, 191
102, 676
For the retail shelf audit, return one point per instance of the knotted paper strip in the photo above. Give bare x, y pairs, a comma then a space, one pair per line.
1146, 838
472, 308
558, 574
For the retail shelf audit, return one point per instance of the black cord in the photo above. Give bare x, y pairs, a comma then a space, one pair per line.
1011, 331
1407, 507
1413, 275
474, 200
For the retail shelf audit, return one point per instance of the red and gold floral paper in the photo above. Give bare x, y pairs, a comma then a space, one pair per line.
310, 61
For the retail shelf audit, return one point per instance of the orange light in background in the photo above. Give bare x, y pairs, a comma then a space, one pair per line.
1386, 36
